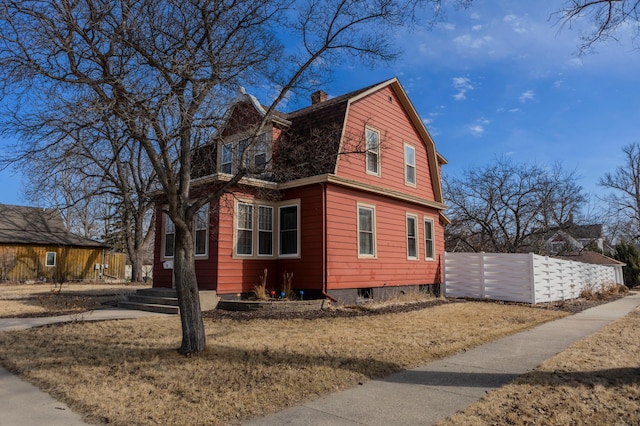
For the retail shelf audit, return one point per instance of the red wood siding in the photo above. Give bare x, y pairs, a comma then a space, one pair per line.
396, 129
239, 275
161, 277
391, 266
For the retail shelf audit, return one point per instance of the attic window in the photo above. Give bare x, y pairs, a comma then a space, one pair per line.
50, 259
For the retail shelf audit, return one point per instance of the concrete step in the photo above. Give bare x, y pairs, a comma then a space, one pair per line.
150, 307
161, 300
157, 292
156, 300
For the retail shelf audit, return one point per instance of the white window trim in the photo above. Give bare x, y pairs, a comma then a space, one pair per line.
407, 165
416, 237
206, 234
378, 172
236, 229
297, 253
46, 258
433, 237
275, 231
371, 207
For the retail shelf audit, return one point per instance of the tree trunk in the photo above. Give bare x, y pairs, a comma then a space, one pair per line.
136, 258
184, 271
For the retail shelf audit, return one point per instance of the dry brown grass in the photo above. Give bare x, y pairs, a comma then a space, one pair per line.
129, 373
596, 382
41, 299
603, 292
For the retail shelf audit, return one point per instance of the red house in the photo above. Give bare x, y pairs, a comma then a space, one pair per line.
347, 197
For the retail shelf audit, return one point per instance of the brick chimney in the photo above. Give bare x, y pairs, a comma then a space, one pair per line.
317, 97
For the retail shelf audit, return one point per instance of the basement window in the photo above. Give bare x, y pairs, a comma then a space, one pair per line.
365, 294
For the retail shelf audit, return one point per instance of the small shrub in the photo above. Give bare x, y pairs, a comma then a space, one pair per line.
260, 290
287, 283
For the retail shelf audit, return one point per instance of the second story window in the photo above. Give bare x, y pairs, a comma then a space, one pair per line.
254, 155
226, 165
409, 165
372, 151
260, 153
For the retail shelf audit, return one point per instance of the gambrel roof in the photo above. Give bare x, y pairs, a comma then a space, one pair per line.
37, 226
316, 132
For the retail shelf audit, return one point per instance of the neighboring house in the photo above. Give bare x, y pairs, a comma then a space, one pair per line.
571, 237
36, 245
349, 200
587, 256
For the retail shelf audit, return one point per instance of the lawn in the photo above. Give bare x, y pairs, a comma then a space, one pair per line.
46, 299
594, 382
128, 372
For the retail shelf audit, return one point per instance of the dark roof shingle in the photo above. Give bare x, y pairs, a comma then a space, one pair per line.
33, 225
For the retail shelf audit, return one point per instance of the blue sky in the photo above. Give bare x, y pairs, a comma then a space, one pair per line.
503, 79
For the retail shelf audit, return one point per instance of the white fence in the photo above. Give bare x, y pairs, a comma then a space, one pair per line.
527, 278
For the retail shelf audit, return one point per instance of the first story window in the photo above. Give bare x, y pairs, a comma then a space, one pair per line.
200, 233
429, 247
265, 231
244, 226
288, 230
169, 236
50, 259
412, 237
260, 227
366, 231
201, 225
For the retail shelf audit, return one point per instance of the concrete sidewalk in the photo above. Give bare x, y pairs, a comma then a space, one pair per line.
21, 403
420, 396
433, 392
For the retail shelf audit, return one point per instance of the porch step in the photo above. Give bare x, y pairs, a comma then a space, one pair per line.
163, 301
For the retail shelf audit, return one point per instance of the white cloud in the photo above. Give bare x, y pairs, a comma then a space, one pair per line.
558, 83
476, 27
529, 95
476, 130
514, 110
515, 23
468, 42
462, 85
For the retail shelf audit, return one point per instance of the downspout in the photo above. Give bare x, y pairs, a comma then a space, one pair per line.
324, 244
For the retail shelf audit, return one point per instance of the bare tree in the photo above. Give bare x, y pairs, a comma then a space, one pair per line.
506, 207
164, 69
81, 163
609, 18
624, 195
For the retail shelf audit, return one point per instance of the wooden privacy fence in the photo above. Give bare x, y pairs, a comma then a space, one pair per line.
527, 278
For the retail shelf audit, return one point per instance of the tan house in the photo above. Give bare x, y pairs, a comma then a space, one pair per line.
36, 245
